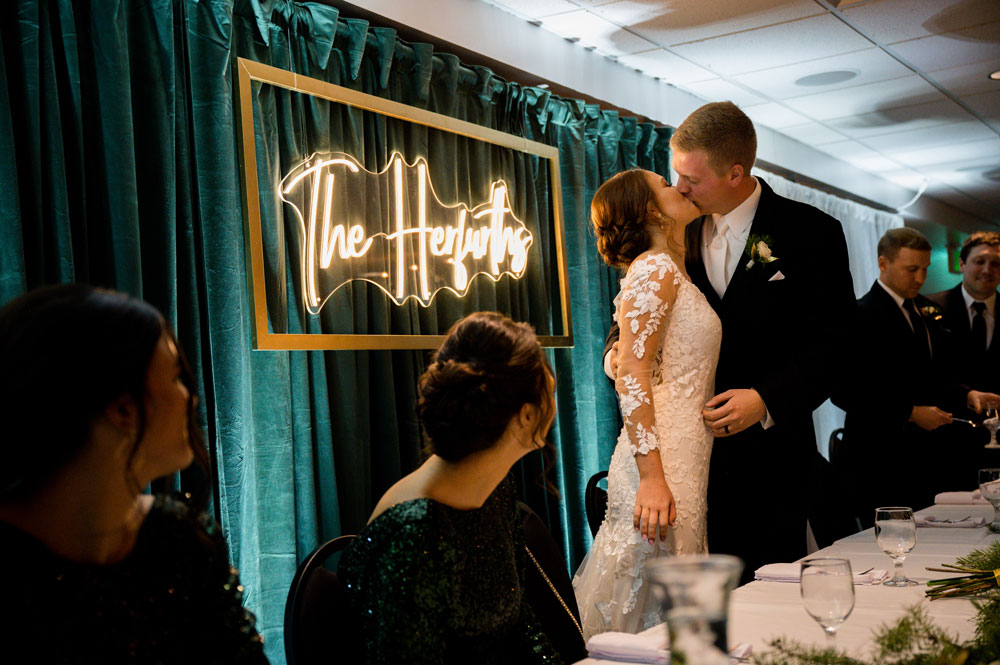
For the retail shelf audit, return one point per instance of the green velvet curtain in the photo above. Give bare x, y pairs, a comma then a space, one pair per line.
119, 166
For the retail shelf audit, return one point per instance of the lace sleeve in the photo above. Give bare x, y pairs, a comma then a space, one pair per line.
649, 288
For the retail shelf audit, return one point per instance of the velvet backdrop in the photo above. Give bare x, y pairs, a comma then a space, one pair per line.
119, 167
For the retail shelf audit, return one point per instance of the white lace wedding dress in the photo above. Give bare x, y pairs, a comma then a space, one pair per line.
667, 350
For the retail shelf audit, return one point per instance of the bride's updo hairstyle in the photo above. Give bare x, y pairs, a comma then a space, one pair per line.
620, 210
486, 370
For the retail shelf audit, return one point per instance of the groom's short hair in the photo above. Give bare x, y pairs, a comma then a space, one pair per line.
723, 131
902, 238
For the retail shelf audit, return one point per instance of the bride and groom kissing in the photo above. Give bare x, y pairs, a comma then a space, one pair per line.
725, 330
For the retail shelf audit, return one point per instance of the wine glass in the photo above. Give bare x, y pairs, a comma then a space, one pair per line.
896, 534
989, 487
991, 422
827, 587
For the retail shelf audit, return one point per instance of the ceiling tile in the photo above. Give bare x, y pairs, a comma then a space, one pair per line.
669, 22
967, 79
797, 41
812, 133
890, 21
960, 153
931, 137
869, 98
899, 119
774, 115
904, 177
718, 90
535, 8
860, 156
941, 52
592, 30
986, 104
666, 65
872, 65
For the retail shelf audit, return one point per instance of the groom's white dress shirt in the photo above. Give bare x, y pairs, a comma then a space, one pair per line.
989, 314
736, 224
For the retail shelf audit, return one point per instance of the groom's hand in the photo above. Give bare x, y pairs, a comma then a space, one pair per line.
733, 411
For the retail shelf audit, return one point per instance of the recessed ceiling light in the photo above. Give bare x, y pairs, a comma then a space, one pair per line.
827, 78
995, 75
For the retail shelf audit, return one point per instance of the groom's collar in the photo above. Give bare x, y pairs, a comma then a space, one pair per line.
739, 218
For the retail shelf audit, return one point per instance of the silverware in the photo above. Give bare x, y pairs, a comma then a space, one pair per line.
967, 422
865, 572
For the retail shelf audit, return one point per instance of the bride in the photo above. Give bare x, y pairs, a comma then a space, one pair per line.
668, 350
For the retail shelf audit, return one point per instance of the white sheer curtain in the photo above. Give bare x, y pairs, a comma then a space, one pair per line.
863, 226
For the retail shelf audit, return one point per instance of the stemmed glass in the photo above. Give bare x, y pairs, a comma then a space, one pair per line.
992, 423
827, 587
989, 487
896, 534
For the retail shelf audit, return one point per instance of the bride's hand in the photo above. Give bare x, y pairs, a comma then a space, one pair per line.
654, 507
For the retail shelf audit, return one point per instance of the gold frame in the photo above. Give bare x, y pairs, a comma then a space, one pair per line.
249, 71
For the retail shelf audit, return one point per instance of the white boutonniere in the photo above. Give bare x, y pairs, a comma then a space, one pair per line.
759, 250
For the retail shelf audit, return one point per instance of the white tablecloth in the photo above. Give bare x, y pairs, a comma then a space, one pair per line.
762, 611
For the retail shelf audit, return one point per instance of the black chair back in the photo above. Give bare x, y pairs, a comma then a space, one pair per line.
549, 589
315, 612
595, 501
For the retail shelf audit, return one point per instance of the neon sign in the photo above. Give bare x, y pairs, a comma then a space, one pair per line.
390, 229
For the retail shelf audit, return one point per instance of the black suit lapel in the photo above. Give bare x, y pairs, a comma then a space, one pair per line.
956, 314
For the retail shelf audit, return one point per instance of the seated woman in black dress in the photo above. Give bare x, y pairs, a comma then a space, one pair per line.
436, 576
96, 402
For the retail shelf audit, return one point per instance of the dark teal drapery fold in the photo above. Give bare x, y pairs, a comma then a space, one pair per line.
119, 167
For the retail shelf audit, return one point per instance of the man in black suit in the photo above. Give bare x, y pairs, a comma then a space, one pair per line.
899, 439
969, 313
776, 273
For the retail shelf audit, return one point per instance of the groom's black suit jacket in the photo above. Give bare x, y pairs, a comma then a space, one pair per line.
782, 337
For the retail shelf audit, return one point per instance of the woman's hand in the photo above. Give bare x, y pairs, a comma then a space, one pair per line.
654, 508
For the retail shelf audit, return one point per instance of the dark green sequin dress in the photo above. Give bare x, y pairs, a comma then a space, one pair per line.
432, 584
173, 599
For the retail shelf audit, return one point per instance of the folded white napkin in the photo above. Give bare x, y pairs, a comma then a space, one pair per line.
959, 498
789, 572
950, 523
647, 647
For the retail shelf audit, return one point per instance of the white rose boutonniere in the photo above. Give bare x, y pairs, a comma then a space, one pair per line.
759, 250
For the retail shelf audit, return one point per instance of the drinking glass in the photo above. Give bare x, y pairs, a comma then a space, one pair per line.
896, 534
827, 587
991, 422
989, 487
694, 601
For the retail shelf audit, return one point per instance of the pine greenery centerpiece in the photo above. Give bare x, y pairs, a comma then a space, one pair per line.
914, 639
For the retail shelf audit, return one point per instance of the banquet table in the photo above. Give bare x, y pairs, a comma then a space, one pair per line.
761, 611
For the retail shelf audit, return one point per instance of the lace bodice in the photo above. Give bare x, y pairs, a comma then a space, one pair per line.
667, 351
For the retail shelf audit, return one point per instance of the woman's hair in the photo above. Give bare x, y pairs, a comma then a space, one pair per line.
486, 370
619, 212
66, 353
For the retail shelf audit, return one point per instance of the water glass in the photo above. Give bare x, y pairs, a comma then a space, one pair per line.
896, 534
694, 601
989, 487
827, 587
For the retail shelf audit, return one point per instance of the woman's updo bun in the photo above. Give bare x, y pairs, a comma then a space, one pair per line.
486, 370
619, 212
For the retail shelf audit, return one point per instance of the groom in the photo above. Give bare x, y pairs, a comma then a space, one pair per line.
776, 273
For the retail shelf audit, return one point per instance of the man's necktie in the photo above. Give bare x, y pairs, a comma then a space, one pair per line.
979, 326
919, 329
718, 258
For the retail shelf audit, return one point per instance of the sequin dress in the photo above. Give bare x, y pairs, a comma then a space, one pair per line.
434, 584
667, 358
173, 599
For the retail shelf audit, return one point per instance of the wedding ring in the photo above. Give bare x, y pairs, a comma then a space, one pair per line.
726, 427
